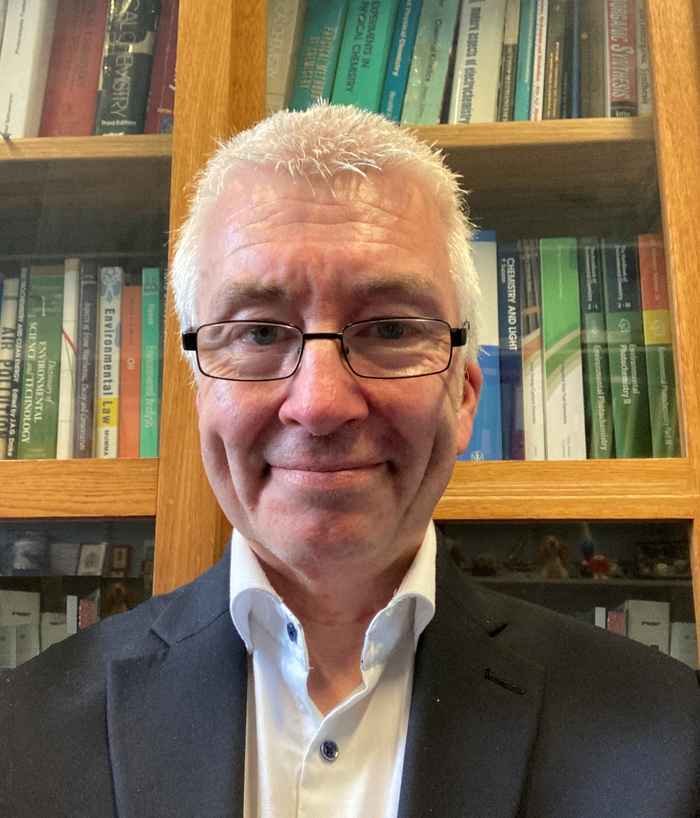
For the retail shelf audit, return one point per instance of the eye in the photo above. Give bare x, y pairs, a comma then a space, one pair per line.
390, 330
264, 334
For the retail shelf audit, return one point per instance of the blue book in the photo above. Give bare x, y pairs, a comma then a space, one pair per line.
575, 62
486, 442
526, 49
510, 352
400, 58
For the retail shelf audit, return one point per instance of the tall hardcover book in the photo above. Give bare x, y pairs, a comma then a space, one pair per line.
108, 354
526, 52
364, 54
53, 629
533, 373
486, 441
74, 69
509, 62
161, 96
658, 343
38, 428
510, 352
405, 31
8, 334
66, 400
285, 24
125, 72
15, 408
649, 622
621, 59
318, 53
593, 48
684, 643
539, 61
19, 608
628, 378
130, 373
644, 103
554, 59
8, 647
594, 345
24, 66
431, 56
571, 79
84, 413
27, 645
151, 354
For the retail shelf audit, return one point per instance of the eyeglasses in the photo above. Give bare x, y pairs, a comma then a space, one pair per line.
384, 348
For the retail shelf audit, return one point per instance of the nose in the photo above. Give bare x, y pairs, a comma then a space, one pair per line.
323, 393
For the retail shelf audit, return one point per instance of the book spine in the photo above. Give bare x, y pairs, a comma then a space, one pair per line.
85, 363
477, 62
594, 344
364, 54
431, 56
318, 54
3, 17
617, 622
539, 63
486, 440
161, 97
684, 643
658, 342
74, 69
554, 60
533, 384
644, 103
42, 365
565, 422
571, 67
24, 67
621, 60
107, 397
66, 400
526, 46
150, 345
623, 318
125, 72
592, 44
509, 62
8, 334
14, 411
400, 56
130, 373
649, 622
510, 352
285, 23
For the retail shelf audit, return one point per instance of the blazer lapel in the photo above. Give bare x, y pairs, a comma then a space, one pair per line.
176, 718
474, 711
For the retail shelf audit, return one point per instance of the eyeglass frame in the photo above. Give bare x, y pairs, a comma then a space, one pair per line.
458, 338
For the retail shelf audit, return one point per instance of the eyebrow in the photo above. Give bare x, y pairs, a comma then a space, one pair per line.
234, 294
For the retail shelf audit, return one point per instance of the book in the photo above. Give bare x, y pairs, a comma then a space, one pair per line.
150, 357
8, 647
486, 441
617, 622
161, 96
285, 25
63, 558
431, 56
510, 352
648, 622
24, 66
644, 103
593, 46
87, 612
19, 608
108, 354
74, 68
53, 629
3, 15
509, 62
658, 344
364, 54
92, 559
71, 614
628, 379
477, 62
565, 425
400, 55
684, 643
14, 411
594, 347
38, 429
318, 53
85, 362
125, 70
554, 59
539, 61
27, 644
526, 47
621, 60
8, 334
571, 73
533, 373
130, 373
118, 561
66, 399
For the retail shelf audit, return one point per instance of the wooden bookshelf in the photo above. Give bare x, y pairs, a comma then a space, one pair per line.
85, 148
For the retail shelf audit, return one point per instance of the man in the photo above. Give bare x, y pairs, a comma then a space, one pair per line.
334, 662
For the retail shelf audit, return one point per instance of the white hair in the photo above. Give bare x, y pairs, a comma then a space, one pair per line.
317, 145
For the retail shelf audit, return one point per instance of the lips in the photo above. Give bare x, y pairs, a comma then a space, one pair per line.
341, 475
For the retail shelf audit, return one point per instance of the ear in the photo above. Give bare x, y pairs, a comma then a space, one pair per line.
470, 399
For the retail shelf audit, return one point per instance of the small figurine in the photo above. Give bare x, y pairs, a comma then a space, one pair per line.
553, 551
484, 566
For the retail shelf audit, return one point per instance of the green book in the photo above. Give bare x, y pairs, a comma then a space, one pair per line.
594, 342
38, 427
628, 373
364, 54
151, 353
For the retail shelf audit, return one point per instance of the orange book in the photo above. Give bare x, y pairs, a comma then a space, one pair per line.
130, 374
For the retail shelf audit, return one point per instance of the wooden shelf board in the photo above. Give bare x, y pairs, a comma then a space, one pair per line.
590, 583
37, 489
86, 147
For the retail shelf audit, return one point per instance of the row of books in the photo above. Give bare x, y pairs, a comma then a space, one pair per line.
82, 67
80, 361
422, 62
648, 622
30, 555
577, 350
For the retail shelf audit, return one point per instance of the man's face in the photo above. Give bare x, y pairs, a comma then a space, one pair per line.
326, 470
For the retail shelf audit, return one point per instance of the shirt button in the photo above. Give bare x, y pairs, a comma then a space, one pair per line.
329, 750
291, 632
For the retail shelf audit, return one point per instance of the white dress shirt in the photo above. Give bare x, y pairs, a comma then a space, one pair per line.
347, 764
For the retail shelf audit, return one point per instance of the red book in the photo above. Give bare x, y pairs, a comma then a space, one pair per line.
130, 374
87, 613
621, 73
617, 622
161, 98
74, 68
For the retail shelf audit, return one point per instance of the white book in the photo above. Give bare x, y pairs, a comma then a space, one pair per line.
53, 629
684, 643
71, 614
27, 645
19, 607
649, 622
8, 332
24, 67
539, 60
285, 26
644, 105
533, 382
8, 650
600, 617
66, 395
108, 348
3, 15
478, 62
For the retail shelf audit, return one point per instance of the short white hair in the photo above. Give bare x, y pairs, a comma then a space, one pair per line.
317, 145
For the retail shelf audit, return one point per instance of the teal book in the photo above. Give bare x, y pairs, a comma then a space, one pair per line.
526, 49
150, 357
319, 52
594, 342
364, 54
628, 373
38, 425
405, 32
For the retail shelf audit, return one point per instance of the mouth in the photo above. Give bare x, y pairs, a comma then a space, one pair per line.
327, 475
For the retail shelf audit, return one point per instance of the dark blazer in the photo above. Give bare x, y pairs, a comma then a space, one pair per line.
517, 712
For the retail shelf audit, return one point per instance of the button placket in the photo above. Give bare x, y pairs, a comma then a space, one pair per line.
329, 750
